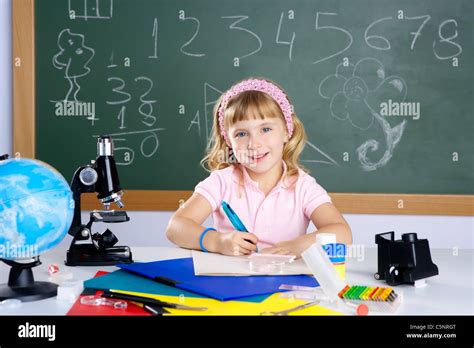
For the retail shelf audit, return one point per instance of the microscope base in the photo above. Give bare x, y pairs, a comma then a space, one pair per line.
89, 255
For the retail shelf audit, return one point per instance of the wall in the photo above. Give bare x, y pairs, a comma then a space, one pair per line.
5, 78
147, 228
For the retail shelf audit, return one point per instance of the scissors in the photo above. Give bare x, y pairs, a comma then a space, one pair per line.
294, 309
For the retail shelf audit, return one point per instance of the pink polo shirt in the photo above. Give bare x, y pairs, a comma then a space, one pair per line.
282, 215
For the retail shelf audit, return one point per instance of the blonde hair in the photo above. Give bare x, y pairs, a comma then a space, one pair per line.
252, 105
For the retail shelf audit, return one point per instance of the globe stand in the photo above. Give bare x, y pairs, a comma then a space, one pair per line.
22, 285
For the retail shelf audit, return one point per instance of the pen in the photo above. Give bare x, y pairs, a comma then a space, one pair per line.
153, 310
150, 301
150, 309
234, 219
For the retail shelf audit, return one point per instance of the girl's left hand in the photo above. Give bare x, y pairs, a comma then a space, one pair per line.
285, 248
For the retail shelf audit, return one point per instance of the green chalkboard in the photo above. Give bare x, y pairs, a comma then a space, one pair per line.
384, 88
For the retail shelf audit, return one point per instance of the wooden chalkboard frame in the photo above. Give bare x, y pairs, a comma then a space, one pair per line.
23, 31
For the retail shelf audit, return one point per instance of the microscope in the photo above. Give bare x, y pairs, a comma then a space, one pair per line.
101, 177
404, 261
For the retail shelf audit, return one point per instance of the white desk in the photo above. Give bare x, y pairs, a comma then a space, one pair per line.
449, 293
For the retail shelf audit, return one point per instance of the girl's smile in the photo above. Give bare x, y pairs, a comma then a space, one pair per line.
259, 157
258, 143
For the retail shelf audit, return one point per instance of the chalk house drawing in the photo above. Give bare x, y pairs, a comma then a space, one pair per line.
73, 58
353, 92
90, 9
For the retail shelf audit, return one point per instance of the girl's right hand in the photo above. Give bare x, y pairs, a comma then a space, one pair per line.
237, 243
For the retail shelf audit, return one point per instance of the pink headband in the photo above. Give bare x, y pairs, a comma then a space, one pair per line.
257, 85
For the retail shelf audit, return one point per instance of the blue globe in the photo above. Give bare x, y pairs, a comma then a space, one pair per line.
36, 208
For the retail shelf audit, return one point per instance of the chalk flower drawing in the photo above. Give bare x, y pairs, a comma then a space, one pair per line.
355, 92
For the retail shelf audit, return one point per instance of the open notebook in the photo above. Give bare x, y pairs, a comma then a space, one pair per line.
211, 264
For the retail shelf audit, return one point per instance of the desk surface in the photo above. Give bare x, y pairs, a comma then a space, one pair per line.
451, 292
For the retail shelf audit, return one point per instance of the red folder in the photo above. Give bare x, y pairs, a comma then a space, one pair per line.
80, 309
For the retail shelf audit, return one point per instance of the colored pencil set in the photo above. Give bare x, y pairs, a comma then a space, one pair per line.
377, 298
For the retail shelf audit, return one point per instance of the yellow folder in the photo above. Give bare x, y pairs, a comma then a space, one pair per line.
215, 307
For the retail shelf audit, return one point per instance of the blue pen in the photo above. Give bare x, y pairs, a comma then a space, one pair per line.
234, 219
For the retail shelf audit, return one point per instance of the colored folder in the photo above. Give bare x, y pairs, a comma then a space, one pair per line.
272, 304
180, 273
79, 309
127, 281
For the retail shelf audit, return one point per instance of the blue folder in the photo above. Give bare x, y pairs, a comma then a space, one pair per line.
127, 281
180, 273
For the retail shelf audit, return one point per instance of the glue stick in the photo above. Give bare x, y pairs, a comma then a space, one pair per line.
336, 252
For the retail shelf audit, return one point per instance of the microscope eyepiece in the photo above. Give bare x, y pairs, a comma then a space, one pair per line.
105, 146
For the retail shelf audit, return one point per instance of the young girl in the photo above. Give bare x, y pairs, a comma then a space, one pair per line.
253, 157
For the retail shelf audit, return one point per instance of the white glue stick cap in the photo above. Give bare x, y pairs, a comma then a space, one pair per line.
318, 262
325, 238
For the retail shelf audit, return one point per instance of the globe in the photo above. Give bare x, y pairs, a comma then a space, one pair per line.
36, 208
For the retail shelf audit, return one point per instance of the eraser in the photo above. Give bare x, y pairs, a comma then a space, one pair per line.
70, 290
60, 277
53, 268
